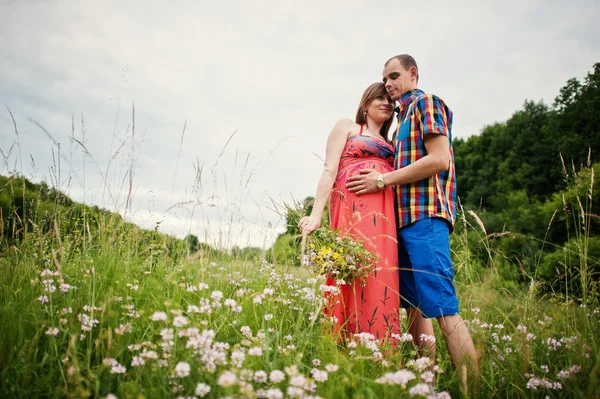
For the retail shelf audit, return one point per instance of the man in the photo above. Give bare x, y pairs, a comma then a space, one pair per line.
426, 197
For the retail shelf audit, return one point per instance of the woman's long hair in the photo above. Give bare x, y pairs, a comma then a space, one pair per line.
372, 92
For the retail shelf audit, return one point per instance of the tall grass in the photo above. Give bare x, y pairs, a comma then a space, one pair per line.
101, 307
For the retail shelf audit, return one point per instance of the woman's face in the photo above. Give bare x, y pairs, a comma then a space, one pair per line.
380, 108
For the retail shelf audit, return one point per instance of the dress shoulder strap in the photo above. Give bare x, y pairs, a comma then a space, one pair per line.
361, 130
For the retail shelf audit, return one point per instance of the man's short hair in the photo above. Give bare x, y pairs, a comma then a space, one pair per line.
406, 61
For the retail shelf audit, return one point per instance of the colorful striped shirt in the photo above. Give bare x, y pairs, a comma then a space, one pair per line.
420, 114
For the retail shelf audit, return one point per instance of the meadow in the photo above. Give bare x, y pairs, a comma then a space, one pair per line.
103, 312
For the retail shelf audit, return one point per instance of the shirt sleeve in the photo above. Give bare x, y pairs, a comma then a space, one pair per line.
432, 114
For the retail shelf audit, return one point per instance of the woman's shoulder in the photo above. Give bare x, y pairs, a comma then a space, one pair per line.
347, 126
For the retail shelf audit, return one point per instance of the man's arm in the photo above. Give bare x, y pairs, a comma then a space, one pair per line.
436, 161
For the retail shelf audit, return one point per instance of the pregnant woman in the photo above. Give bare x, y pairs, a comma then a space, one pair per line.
352, 146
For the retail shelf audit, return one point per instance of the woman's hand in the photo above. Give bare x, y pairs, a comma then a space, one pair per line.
308, 224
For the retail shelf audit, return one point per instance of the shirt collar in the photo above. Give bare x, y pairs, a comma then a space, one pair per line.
408, 98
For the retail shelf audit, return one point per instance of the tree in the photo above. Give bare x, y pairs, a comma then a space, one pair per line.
192, 242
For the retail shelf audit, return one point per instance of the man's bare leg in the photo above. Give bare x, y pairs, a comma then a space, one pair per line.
418, 325
461, 349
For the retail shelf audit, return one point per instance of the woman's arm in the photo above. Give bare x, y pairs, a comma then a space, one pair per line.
335, 145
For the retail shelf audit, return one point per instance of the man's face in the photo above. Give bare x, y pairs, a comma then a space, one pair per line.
399, 80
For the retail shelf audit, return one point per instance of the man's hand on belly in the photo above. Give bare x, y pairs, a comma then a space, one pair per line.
363, 183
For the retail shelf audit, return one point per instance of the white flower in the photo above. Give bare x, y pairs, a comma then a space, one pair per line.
109, 361
298, 380
332, 368
227, 379
319, 375
246, 332
43, 299
137, 361
193, 309
255, 351
133, 287
401, 377
180, 321
48, 286
65, 287
563, 374
123, 328
295, 392
237, 358
419, 389
427, 338
167, 334
216, 295
110, 396
118, 369
202, 389
276, 376
230, 302
420, 364
273, 393
406, 337
158, 316
52, 331
182, 369
260, 376
268, 316
149, 354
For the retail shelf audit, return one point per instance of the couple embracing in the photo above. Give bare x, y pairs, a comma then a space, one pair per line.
399, 197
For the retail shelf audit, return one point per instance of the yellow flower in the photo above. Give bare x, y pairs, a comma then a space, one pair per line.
324, 251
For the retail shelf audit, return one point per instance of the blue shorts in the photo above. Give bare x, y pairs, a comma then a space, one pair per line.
426, 270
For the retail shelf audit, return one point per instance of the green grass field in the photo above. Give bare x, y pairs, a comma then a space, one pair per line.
92, 315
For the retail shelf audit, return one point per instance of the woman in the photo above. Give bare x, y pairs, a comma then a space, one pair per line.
352, 146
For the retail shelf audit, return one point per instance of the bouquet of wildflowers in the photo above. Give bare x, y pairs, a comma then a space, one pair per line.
342, 257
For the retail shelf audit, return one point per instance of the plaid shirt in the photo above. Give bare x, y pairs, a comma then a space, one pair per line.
420, 114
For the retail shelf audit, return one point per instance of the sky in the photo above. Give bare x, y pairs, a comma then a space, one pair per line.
205, 117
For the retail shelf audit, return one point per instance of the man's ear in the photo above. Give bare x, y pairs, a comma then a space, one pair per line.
413, 72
